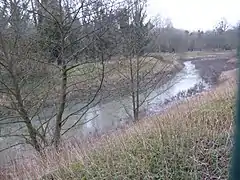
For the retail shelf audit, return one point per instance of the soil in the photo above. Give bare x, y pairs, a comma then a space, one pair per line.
120, 89
210, 70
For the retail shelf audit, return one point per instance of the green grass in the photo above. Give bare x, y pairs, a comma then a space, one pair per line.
194, 144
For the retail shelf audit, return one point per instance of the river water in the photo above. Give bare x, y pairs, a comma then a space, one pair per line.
114, 114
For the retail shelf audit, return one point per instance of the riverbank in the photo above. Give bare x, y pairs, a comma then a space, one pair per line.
104, 118
154, 69
210, 70
84, 81
114, 89
192, 140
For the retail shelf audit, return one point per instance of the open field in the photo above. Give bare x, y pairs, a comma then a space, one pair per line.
205, 54
192, 140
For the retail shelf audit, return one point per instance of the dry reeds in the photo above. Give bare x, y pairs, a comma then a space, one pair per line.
192, 140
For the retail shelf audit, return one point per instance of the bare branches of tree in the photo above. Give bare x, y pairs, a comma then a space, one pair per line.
40, 67
144, 72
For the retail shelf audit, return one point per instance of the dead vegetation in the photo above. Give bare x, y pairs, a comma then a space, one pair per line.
193, 140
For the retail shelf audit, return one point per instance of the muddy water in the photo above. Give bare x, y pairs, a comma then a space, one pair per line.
113, 114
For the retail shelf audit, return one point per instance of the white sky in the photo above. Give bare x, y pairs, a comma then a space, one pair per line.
196, 14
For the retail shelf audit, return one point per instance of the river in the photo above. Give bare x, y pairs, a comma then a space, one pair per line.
114, 114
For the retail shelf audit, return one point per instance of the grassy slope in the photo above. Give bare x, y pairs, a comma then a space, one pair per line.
118, 69
193, 140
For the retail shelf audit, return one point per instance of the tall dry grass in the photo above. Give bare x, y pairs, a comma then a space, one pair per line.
192, 140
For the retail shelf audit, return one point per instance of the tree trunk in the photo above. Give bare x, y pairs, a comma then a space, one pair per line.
137, 91
23, 113
132, 90
58, 126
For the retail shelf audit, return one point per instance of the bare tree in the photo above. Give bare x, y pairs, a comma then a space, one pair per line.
144, 72
13, 63
162, 34
222, 26
220, 29
44, 69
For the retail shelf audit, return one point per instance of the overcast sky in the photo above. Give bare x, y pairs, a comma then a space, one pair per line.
196, 14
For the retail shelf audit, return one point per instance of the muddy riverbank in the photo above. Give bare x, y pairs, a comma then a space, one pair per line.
119, 89
202, 74
110, 115
210, 70
202, 77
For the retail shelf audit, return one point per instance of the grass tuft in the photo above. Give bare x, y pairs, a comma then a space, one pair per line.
192, 140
